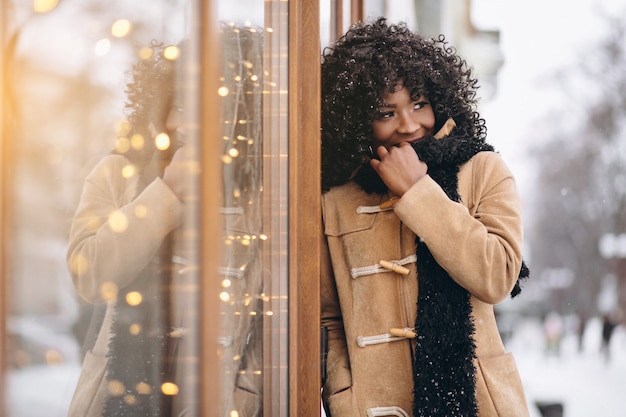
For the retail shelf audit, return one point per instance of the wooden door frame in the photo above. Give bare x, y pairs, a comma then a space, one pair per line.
357, 13
304, 208
210, 224
3, 219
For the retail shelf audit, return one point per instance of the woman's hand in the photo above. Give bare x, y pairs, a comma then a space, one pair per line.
399, 167
177, 175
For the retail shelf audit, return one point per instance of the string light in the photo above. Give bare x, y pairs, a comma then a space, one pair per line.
120, 28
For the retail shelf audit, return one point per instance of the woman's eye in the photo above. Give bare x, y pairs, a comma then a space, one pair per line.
420, 104
385, 115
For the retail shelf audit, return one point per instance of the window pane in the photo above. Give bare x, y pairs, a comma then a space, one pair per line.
253, 309
101, 206
99, 101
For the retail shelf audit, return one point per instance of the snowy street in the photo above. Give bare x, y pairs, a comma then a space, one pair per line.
585, 383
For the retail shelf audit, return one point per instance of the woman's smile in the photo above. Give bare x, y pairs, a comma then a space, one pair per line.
402, 119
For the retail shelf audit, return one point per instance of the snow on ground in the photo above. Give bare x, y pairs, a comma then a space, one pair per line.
584, 382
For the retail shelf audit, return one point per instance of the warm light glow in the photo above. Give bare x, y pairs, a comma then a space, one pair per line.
134, 329
233, 152
108, 290
134, 298
53, 357
120, 28
226, 283
234, 413
137, 141
222, 91
122, 145
118, 222
116, 388
124, 128
169, 388
141, 211
162, 141
44, 6
103, 46
130, 399
226, 159
128, 170
145, 53
224, 296
171, 52
79, 264
144, 388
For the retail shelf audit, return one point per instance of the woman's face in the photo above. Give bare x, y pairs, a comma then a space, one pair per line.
402, 119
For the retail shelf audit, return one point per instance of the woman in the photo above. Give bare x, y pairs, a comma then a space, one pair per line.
122, 252
423, 233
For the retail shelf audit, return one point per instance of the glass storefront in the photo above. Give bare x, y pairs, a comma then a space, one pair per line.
127, 128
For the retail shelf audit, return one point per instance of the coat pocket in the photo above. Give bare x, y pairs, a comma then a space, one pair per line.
341, 403
91, 389
499, 390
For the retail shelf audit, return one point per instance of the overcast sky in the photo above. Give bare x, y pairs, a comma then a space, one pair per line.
538, 37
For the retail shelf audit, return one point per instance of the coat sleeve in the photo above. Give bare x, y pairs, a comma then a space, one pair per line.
478, 242
113, 235
339, 376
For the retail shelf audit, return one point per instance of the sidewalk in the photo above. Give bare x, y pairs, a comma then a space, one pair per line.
584, 382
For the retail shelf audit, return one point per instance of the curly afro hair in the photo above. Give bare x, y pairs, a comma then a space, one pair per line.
152, 91
366, 64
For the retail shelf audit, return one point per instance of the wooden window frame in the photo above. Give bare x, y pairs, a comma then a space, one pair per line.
304, 207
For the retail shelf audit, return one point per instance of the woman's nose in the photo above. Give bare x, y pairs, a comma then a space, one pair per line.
407, 124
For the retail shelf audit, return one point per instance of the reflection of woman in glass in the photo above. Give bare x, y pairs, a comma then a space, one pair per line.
423, 230
121, 250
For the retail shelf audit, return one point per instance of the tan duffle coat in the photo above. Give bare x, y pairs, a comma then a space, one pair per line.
477, 241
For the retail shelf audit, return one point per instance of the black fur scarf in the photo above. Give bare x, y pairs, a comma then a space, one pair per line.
142, 355
443, 367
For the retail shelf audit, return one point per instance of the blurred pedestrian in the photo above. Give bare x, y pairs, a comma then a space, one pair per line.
609, 322
553, 333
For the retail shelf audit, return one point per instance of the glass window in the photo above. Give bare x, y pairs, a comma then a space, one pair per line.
92, 118
103, 139
253, 307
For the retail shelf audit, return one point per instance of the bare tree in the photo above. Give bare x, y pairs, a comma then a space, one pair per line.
581, 187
